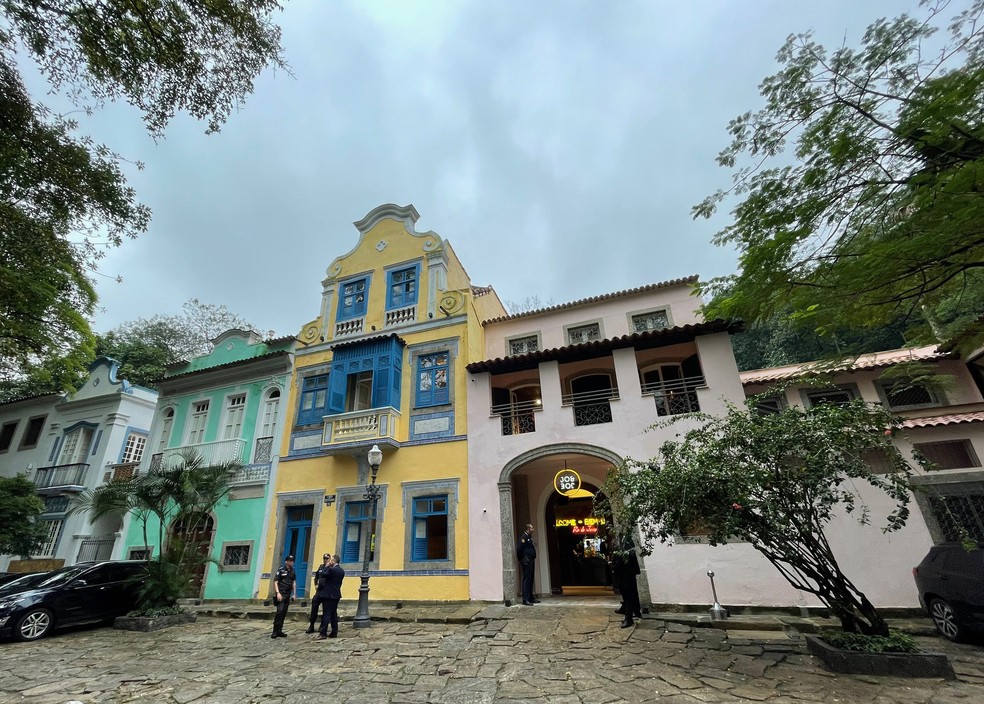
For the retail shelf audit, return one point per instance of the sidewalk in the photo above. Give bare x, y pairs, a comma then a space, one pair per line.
464, 613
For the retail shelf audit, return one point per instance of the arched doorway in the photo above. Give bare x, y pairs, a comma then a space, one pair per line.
192, 536
578, 549
526, 495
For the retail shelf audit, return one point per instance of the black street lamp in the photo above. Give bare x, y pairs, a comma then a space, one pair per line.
361, 619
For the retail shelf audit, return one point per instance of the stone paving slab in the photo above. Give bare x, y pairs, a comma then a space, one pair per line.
500, 654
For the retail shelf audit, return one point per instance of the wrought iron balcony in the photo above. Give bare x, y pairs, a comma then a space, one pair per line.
359, 426
676, 396
61, 476
591, 407
517, 418
211, 453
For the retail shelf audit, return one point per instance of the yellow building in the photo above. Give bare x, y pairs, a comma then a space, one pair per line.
383, 364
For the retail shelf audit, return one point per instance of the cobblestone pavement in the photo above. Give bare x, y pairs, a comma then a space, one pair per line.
519, 654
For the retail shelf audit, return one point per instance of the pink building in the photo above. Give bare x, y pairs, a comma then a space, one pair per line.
578, 387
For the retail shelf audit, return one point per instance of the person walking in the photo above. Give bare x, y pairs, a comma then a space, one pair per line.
284, 590
625, 568
526, 552
330, 592
316, 600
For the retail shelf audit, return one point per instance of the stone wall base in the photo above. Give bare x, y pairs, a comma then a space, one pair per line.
895, 664
152, 623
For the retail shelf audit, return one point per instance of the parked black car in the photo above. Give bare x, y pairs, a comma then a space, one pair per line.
950, 580
35, 604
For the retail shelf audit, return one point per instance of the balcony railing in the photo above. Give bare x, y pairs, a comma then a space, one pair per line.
122, 472
591, 407
263, 452
371, 424
62, 475
349, 327
93, 549
401, 315
211, 453
251, 474
517, 418
675, 397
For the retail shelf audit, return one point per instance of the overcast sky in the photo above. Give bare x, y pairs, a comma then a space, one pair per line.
558, 146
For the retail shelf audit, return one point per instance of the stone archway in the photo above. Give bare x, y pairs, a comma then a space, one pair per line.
507, 516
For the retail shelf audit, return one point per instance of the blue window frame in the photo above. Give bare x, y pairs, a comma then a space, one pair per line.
356, 530
314, 400
433, 383
401, 288
430, 528
352, 298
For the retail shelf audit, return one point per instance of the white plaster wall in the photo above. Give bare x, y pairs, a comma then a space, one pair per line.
614, 315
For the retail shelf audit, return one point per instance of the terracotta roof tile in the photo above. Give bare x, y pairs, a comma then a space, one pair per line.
865, 361
594, 299
952, 419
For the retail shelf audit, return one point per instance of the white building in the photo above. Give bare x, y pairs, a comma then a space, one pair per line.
67, 444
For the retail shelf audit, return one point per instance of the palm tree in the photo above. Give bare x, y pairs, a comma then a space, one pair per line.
184, 493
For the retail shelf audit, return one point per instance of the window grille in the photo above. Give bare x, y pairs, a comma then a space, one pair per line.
654, 320
959, 511
236, 556
583, 333
524, 345
949, 454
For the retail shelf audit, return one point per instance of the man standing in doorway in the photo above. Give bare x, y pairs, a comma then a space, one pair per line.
526, 552
284, 590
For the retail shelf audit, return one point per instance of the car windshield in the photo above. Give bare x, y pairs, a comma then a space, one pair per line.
43, 579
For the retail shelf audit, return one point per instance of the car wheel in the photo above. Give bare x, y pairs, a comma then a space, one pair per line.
35, 624
945, 619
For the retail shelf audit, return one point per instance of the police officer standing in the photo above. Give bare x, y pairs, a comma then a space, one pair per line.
526, 552
317, 600
284, 589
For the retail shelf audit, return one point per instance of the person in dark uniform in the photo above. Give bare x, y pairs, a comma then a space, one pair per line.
330, 591
526, 552
284, 589
625, 568
316, 600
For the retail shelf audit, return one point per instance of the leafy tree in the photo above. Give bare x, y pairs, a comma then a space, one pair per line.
862, 178
146, 346
775, 481
20, 533
185, 491
63, 198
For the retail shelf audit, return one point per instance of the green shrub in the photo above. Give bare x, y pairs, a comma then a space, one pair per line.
894, 642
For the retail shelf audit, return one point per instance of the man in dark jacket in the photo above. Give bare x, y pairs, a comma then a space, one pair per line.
625, 568
284, 589
316, 600
330, 591
526, 552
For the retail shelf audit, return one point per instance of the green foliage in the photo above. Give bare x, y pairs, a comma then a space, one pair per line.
183, 492
20, 532
860, 179
775, 481
63, 198
894, 642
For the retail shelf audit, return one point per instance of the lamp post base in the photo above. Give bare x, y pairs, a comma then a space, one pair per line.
362, 619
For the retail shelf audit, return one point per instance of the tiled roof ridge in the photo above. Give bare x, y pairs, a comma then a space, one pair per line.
594, 299
866, 360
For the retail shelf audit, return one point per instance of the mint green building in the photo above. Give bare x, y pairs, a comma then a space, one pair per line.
225, 406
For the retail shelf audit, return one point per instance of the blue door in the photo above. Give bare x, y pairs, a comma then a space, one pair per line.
297, 542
